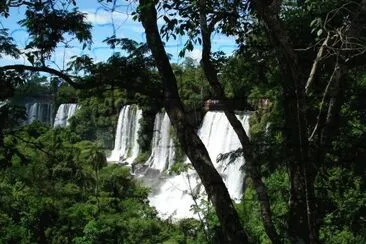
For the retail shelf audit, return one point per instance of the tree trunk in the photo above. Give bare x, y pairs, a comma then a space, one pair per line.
192, 145
253, 170
301, 213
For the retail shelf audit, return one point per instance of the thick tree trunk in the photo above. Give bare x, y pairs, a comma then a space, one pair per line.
192, 145
252, 169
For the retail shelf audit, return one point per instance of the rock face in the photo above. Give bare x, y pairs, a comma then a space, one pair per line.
172, 195
64, 113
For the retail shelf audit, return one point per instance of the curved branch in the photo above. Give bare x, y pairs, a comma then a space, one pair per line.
136, 86
65, 77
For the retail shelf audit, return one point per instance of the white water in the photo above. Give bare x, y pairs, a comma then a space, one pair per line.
126, 148
172, 195
38, 111
64, 113
162, 152
219, 137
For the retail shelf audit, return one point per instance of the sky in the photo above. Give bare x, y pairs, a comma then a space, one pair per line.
105, 24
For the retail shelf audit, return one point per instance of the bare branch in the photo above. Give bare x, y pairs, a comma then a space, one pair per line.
325, 94
316, 63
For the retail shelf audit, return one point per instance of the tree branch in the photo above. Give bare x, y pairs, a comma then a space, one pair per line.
253, 170
332, 120
60, 74
191, 143
315, 64
334, 76
303, 227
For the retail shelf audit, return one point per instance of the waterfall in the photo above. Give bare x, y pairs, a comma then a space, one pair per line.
126, 148
219, 137
172, 196
162, 152
64, 113
38, 111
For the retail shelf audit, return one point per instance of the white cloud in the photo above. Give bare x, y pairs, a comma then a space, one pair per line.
102, 17
196, 54
9, 60
122, 21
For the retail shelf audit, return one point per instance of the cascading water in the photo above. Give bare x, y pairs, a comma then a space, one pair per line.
126, 147
64, 113
162, 153
38, 111
172, 197
219, 137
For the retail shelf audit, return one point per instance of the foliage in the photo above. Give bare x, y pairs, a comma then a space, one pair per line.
192, 85
56, 186
249, 210
56, 23
65, 192
7, 46
34, 86
344, 222
97, 117
65, 94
